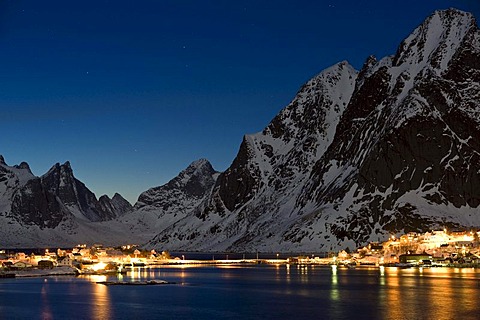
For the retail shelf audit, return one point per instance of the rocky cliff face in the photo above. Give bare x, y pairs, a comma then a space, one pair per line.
251, 199
191, 184
72, 193
113, 208
160, 207
54, 209
408, 139
357, 156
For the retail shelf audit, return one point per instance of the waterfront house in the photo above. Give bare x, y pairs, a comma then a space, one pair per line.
415, 258
65, 261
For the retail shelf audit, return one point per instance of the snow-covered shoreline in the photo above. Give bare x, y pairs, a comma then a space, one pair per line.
57, 271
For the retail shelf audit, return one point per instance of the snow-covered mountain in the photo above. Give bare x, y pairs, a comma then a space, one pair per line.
356, 156
406, 154
160, 207
55, 209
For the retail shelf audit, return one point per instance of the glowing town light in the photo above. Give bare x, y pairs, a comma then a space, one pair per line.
99, 266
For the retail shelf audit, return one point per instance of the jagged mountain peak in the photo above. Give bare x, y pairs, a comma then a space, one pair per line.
23, 165
356, 156
200, 163
104, 197
331, 84
444, 47
118, 196
283, 153
197, 170
436, 40
200, 166
60, 176
53, 209
14, 176
66, 166
58, 168
115, 207
195, 181
83, 203
404, 154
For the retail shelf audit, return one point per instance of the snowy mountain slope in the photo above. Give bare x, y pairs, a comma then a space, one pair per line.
24, 199
159, 207
268, 172
11, 178
412, 156
54, 209
67, 234
356, 157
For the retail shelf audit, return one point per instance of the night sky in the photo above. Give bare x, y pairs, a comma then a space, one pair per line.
131, 92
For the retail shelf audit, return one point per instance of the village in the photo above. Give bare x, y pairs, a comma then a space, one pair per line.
95, 259
438, 248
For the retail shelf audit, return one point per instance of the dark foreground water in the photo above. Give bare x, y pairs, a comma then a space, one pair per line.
250, 292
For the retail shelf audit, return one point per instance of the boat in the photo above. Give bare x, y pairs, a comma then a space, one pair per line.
134, 283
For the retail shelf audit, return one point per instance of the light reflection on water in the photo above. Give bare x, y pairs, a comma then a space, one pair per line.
46, 312
281, 291
101, 304
438, 293
334, 294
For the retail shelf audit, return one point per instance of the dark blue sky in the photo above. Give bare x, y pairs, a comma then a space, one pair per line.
132, 92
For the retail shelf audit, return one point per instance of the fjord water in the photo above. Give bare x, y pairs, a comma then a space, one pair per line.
250, 292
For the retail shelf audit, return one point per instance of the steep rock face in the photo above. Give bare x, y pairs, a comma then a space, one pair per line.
356, 157
353, 158
19, 189
193, 182
410, 160
160, 207
113, 208
55, 209
59, 180
285, 151
34, 205
252, 197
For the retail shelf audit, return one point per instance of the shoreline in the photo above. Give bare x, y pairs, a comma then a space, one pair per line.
71, 271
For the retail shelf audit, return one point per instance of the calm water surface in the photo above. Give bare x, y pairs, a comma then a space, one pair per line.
250, 292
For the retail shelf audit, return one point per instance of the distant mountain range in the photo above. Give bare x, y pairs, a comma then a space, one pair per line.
355, 157
55, 209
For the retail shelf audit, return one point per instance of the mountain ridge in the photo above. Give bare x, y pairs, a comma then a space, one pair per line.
53, 209
356, 156
365, 184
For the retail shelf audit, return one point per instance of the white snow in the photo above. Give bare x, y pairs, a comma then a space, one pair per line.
275, 211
